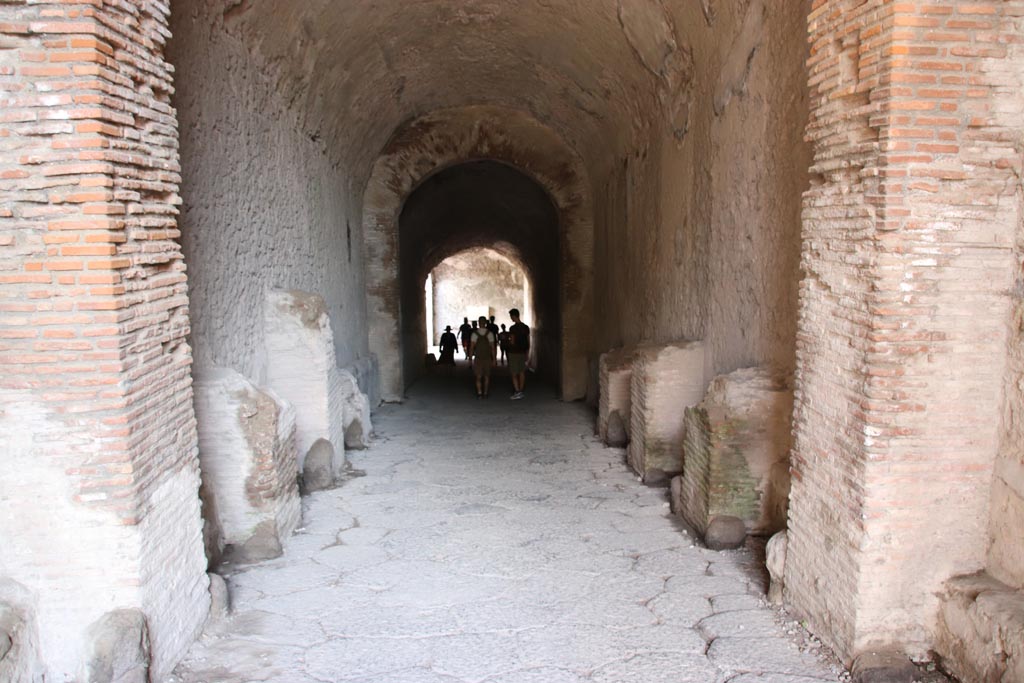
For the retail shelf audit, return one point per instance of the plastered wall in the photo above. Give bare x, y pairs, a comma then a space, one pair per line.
265, 204
698, 233
1006, 526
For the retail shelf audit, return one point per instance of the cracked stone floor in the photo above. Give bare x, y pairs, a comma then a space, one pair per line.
496, 541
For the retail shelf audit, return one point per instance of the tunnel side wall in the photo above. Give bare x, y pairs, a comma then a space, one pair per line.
698, 231
265, 207
1006, 554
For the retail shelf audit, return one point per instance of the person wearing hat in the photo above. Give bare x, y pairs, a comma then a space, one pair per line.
449, 344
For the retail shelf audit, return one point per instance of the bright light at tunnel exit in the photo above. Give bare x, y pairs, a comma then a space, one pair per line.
473, 283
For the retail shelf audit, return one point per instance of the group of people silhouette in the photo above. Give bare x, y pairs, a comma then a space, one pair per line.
482, 341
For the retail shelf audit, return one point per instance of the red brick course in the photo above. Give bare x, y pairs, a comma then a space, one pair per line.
908, 250
94, 294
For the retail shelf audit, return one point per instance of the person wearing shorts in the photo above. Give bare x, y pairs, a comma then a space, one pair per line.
465, 332
518, 350
483, 347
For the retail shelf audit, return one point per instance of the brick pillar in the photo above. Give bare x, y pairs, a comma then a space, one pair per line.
908, 250
98, 497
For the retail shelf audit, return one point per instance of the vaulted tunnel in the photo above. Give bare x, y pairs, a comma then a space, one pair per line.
218, 215
480, 204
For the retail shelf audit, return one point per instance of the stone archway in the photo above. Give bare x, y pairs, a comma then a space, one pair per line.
452, 136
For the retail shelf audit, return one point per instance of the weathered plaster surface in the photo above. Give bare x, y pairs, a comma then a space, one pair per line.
1006, 526
700, 238
264, 207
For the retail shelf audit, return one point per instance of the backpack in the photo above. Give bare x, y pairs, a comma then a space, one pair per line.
483, 344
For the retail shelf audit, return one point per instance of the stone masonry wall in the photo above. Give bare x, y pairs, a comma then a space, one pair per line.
264, 204
908, 255
698, 226
99, 508
1006, 554
665, 381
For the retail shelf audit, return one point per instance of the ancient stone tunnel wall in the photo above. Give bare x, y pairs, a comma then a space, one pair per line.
698, 234
266, 206
1006, 554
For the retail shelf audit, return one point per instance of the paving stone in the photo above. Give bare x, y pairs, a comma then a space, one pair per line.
451, 562
728, 603
765, 655
754, 623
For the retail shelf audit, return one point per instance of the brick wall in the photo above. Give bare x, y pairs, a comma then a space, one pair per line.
99, 504
908, 240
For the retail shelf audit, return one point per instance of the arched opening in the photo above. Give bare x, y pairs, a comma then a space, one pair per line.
535, 179
477, 281
467, 208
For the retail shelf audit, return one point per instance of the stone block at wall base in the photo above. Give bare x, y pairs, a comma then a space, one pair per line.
367, 374
736, 452
323, 469
664, 382
980, 635
301, 366
615, 372
248, 462
119, 648
19, 651
353, 406
775, 561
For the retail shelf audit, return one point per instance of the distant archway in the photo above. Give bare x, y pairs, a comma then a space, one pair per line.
450, 137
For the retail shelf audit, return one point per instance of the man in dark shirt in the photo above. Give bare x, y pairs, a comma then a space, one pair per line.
465, 333
518, 350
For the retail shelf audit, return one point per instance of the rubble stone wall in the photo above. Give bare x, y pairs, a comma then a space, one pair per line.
698, 224
94, 368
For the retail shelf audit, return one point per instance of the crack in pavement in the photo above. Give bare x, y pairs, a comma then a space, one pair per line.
561, 567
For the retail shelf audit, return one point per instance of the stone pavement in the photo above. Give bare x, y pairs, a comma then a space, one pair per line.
496, 541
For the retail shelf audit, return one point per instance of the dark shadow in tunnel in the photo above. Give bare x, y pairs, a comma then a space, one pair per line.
480, 204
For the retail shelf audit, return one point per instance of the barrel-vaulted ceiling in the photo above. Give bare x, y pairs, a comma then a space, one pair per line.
597, 71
